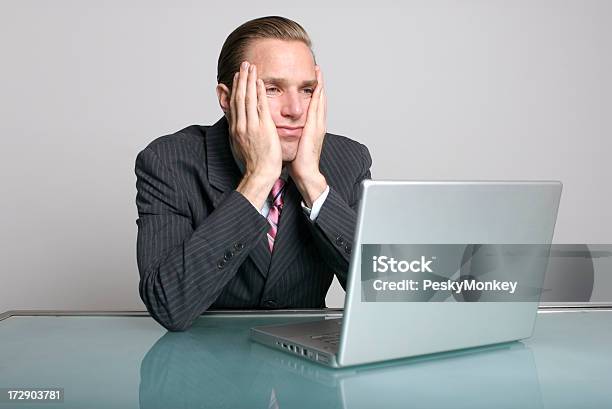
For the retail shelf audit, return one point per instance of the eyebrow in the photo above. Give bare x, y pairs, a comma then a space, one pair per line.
282, 81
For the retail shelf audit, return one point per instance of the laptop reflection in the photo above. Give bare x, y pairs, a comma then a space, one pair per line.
215, 365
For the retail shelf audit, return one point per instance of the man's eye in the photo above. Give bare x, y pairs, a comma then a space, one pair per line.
272, 90
309, 90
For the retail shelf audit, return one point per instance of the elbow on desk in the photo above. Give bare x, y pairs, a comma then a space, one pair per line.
162, 313
174, 326
169, 322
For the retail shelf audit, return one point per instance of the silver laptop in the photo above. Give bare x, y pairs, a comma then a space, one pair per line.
436, 266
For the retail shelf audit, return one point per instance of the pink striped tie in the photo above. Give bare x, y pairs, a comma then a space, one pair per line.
275, 210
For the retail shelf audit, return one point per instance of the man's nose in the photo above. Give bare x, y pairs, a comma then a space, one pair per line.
292, 105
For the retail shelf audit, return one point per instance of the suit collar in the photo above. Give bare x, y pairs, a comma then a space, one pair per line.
223, 172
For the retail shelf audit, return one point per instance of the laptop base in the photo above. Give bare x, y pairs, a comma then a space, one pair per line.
315, 341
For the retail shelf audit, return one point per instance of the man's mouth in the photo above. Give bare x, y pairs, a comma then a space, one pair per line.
289, 131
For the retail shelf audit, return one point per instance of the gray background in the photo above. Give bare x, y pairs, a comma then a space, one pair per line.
436, 89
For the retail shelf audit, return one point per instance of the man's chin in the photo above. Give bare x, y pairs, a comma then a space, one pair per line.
289, 151
288, 159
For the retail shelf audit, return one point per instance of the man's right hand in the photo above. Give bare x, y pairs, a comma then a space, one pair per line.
254, 135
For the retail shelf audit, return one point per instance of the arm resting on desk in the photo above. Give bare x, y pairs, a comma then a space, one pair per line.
182, 269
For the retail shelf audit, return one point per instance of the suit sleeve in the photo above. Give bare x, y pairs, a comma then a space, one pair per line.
334, 226
183, 268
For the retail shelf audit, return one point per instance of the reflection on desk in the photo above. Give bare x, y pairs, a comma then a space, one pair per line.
222, 368
108, 361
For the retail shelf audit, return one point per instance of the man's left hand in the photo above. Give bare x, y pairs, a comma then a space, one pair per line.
304, 169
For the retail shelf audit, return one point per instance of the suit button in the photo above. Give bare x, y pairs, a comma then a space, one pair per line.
220, 264
270, 304
347, 248
339, 240
238, 246
228, 254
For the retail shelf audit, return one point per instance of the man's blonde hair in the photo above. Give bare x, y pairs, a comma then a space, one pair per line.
234, 47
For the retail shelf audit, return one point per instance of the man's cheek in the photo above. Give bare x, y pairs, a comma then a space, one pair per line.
274, 112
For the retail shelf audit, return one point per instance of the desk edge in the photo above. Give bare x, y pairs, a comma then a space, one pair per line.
141, 313
323, 311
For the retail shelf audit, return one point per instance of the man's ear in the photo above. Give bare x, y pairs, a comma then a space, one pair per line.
224, 94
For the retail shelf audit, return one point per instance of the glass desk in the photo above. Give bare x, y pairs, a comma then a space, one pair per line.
129, 361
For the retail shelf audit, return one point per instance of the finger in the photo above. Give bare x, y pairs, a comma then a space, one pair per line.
251, 98
233, 102
240, 97
262, 100
319, 76
314, 100
322, 107
322, 112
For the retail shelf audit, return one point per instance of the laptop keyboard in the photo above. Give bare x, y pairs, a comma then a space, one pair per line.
332, 338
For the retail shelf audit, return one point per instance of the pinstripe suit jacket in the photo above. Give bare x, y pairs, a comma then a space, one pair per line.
202, 245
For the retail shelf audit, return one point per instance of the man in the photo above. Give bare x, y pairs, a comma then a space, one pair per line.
259, 209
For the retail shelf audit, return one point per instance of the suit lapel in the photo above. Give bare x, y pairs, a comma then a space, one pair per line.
293, 229
224, 175
324, 162
289, 237
223, 172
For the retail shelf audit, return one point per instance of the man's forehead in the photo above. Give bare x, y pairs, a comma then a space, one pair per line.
287, 81
281, 58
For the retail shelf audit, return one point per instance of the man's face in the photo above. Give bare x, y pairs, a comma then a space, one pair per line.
288, 71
